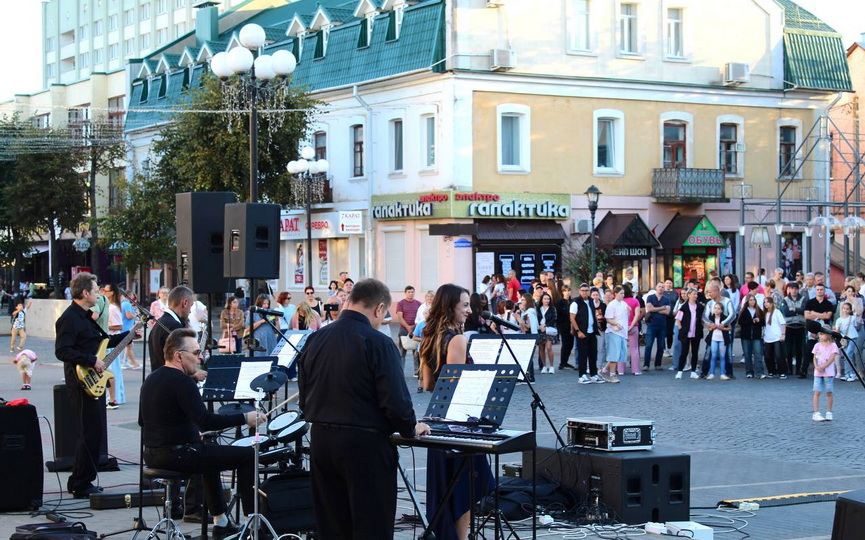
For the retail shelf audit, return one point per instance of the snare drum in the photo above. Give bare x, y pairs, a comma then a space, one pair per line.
293, 433
264, 441
282, 421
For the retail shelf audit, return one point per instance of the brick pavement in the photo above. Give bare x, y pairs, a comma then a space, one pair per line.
746, 438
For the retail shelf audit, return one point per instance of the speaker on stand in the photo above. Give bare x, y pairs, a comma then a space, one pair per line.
251, 241
200, 240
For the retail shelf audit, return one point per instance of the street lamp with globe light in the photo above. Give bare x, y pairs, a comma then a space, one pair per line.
308, 170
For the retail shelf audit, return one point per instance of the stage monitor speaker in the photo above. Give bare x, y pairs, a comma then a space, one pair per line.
636, 487
251, 241
20, 459
200, 240
849, 516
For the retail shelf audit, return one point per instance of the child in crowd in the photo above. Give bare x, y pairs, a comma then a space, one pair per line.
18, 331
717, 339
825, 353
26, 361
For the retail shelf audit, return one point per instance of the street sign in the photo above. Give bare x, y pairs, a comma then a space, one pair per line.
351, 222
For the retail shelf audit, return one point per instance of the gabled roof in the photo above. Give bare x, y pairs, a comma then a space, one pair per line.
298, 25
625, 230
189, 56
209, 48
168, 62
797, 18
148, 67
365, 7
815, 60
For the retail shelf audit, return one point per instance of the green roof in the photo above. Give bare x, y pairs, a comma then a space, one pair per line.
815, 60
797, 18
339, 14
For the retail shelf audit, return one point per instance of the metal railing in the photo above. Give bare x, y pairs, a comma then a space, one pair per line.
688, 185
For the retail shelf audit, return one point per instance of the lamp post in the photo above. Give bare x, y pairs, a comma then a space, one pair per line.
592, 196
261, 77
307, 170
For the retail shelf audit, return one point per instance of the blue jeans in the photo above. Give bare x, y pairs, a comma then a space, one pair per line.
677, 345
617, 348
657, 335
719, 355
753, 351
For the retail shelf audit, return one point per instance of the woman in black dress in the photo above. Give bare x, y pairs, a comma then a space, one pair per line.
443, 343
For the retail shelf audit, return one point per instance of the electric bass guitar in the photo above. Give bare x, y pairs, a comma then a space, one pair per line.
94, 384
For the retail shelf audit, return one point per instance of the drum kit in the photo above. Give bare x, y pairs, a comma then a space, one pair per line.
280, 448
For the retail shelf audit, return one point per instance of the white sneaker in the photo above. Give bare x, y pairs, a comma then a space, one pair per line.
678, 374
584, 379
725, 378
817, 417
694, 375
551, 370
829, 416
668, 354
597, 379
709, 377
544, 369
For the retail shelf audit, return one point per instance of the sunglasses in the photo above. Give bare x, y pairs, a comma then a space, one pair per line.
310, 292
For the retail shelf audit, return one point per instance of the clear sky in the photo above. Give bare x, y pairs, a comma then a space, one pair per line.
21, 26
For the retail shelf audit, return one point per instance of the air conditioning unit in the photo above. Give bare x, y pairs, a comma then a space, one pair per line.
502, 59
582, 226
737, 73
495, 3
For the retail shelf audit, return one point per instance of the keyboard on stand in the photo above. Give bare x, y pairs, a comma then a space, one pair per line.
469, 439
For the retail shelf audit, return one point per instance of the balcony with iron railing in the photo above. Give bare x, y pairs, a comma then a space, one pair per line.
688, 185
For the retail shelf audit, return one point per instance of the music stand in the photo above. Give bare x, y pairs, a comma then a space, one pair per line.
487, 349
469, 398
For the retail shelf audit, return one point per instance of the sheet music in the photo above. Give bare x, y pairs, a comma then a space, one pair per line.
248, 372
470, 395
523, 350
285, 352
484, 351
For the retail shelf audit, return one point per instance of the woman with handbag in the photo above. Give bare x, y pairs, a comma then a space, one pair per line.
548, 333
231, 321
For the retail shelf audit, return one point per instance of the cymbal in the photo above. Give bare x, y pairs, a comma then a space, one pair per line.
269, 382
236, 408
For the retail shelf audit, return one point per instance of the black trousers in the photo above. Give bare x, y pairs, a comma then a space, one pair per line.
567, 343
587, 348
353, 483
772, 355
795, 343
209, 460
90, 422
694, 345
671, 324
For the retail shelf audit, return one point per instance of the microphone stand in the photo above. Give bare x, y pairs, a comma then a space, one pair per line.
849, 360
138, 523
537, 403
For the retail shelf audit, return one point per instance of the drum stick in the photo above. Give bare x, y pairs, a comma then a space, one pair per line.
290, 399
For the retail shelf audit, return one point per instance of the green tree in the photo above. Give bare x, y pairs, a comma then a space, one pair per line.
577, 262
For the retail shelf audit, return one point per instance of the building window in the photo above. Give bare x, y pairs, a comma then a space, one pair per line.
319, 142
357, 150
112, 22
675, 33
145, 41
84, 60
609, 137
787, 152
161, 36
116, 113
428, 141
578, 25
178, 4
78, 120
129, 47
365, 32
97, 57
42, 121
49, 44
628, 29
396, 146
161, 6
321, 42
179, 30
129, 17
82, 32
145, 12
675, 144
514, 135
394, 23
50, 70
98, 28
728, 157
113, 51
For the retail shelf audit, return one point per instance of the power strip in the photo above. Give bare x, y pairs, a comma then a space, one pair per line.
749, 506
690, 529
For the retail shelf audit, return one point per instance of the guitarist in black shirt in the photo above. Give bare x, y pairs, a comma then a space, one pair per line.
78, 339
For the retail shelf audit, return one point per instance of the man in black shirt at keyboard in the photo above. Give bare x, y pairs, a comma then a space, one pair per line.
172, 415
353, 390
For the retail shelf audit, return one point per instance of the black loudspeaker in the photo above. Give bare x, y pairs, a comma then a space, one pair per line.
251, 241
20, 458
200, 240
66, 436
849, 516
636, 487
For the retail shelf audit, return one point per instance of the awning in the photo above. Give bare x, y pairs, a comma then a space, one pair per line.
625, 230
503, 230
696, 231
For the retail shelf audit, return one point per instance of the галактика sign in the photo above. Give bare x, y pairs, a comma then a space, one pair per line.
472, 204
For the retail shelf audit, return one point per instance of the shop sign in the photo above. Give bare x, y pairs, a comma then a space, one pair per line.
351, 222
462, 243
705, 235
640, 252
472, 204
292, 226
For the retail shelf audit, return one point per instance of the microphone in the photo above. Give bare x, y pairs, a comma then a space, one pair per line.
272, 313
816, 328
499, 321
